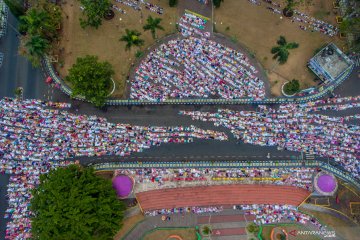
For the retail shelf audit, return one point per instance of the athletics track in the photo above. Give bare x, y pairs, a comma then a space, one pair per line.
221, 195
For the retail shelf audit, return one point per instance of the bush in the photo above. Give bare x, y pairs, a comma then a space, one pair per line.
206, 230
139, 54
292, 87
253, 228
173, 3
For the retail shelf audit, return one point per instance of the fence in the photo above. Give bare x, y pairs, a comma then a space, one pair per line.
3, 18
1, 58
342, 174
322, 91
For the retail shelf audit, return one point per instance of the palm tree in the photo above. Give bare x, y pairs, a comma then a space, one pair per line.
289, 8
152, 25
37, 46
281, 52
132, 38
33, 21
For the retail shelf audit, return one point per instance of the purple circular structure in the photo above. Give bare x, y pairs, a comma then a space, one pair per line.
326, 183
123, 185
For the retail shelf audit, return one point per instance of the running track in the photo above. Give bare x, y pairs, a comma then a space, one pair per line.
220, 195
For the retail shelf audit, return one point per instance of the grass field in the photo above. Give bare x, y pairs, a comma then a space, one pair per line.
258, 30
104, 42
128, 224
185, 234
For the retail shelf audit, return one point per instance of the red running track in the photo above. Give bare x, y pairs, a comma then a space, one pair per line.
219, 195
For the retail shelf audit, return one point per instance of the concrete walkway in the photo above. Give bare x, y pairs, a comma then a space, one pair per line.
232, 219
177, 220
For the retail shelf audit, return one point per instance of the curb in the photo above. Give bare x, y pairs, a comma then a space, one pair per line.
283, 92
321, 92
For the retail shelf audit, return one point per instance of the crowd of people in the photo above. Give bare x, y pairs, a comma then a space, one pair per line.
157, 178
305, 21
118, 9
266, 214
294, 127
29, 131
195, 21
36, 136
136, 5
196, 210
194, 67
24, 177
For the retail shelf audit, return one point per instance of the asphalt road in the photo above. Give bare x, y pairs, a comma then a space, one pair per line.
16, 71
4, 179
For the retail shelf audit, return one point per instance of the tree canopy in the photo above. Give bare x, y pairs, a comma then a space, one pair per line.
16, 7
173, 3
39, 26
153, 24
94, 11
217, 3
289, 8
281, 51
132, 38
292, 87
35, 48
91, 79
73, 203
351, 25
43, 20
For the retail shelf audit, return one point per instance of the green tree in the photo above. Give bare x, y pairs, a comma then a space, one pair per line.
292, 87
173, 3
153, 24
281, 51
132, 38
73, 203
91, 79
94, 11
290, 5
217, 3
350, 25
18, 92
35, 47
16, 7
32, 22
41, 20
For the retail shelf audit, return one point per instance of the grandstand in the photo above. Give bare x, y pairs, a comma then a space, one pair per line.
221, 195
330, 64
